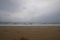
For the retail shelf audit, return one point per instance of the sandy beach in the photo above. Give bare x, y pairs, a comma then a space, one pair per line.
30, 32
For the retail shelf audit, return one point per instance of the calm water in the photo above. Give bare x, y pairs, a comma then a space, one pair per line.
29, 24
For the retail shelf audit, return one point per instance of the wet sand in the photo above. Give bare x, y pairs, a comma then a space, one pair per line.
30, 32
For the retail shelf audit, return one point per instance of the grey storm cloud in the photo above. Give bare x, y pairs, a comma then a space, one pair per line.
30, 11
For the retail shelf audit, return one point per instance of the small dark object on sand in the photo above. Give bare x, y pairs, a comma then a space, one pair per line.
23, 38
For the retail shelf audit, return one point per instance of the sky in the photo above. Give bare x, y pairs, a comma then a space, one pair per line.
39, 11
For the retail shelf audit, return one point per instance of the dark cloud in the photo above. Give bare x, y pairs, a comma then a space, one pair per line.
8, 5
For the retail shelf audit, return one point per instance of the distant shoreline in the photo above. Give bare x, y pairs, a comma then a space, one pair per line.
29, 24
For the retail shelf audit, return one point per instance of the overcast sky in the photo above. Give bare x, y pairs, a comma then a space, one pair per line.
43, 11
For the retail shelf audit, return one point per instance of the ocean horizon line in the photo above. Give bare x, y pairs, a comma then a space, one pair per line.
29, 24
